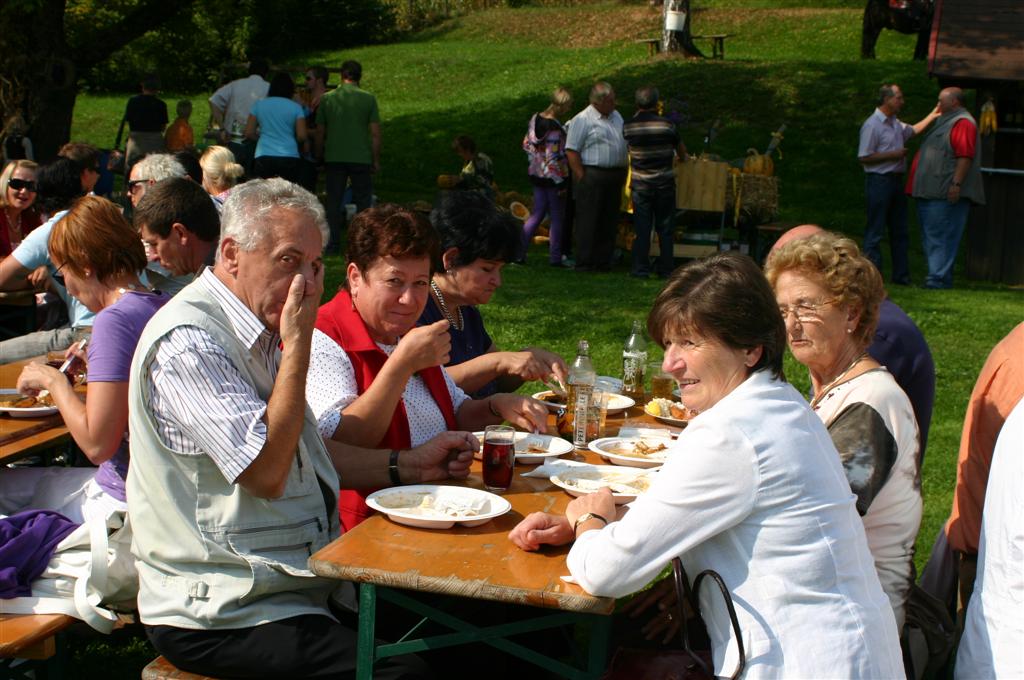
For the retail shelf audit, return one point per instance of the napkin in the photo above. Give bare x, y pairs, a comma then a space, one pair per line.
554, 466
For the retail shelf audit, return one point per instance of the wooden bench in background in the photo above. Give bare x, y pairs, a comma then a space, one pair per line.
653, 45
717, 43
32, 637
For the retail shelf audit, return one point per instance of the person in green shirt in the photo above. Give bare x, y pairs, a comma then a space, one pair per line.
347, 138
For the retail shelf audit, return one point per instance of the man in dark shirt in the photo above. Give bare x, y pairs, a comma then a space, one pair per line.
653, 145
146, 116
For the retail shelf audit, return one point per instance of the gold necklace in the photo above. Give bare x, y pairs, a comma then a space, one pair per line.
14, 227
444, 308
824, 391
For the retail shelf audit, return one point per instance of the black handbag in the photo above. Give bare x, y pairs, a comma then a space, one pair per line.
678, 664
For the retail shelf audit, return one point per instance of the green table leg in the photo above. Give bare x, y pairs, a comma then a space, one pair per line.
367, 647
597, 651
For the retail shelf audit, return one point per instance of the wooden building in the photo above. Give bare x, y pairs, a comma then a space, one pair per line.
979, 45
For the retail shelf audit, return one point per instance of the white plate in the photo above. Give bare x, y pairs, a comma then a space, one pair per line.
669, 420
614, 384
391, 502
617, 403
582, 480
602, 447
556, 446
551, 407
30, 412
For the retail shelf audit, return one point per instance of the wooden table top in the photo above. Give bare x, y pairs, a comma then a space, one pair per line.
478, 562
20, 437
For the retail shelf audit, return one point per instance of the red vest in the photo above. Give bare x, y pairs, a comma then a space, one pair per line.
339, 320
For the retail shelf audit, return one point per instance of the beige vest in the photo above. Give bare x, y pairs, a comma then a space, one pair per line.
936, 164
209, 554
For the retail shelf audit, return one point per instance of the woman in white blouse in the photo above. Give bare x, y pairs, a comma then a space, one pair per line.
753, 489
375, 379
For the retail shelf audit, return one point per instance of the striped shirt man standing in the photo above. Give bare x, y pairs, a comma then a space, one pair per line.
653, 146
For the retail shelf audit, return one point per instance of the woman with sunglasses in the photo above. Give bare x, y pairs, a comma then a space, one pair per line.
829, 295
17, 216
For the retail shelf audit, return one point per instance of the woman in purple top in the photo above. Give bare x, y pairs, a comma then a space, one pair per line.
98, 255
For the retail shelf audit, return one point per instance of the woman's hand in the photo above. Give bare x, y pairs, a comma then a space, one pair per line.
424, 347
526, 413
665, 622
600, 503
541, 528
449, 454
37, 377
533, 363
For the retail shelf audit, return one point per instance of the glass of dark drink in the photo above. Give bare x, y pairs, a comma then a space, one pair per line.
499, 457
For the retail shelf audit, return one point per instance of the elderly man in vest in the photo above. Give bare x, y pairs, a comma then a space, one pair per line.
231, 489
945, 180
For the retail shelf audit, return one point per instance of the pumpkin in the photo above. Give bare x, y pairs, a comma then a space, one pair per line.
519, 211
758, 164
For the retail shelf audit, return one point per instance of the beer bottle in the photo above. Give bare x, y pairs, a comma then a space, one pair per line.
582, 377
634, 363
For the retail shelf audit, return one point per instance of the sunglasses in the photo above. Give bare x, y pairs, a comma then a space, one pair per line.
19, 184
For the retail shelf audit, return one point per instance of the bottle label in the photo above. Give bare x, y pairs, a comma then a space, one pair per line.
580, 412
633, 372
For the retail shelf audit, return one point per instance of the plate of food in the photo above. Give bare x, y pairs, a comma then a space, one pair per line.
434, 506
669, 412
640, 452
551, 400
532, 449
21, 406
625, 485
617, 403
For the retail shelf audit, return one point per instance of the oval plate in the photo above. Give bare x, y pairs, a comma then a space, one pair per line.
617, 403
28, 412
601, 447
391, 502
556, 446
669, 420
582, 480
552, 406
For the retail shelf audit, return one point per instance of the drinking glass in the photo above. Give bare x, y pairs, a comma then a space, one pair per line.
498, 457
662, 383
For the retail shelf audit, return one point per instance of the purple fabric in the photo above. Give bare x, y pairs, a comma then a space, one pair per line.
546, 201
469, 343
115, 333
27, 542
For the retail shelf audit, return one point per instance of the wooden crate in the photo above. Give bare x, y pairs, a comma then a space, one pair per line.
701, 185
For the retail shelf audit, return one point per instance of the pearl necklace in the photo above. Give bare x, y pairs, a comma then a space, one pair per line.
444, 308
823, 392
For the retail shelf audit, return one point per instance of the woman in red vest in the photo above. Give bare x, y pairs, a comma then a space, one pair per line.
375, 379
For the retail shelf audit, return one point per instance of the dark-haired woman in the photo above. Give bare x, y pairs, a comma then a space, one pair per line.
98, 254
375, 379
753, 490
477, 240
279, 123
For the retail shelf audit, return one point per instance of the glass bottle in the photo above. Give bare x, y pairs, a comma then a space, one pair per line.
634, 363
582, 378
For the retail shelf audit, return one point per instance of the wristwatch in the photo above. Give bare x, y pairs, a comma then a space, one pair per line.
586, 517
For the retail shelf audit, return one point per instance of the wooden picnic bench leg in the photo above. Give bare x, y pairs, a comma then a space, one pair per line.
718, 48
367, 643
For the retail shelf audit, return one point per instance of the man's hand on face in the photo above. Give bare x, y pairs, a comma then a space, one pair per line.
298, 316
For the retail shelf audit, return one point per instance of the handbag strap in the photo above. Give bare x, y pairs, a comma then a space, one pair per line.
683, 591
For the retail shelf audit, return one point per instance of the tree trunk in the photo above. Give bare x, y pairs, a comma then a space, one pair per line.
39, 69
678, 41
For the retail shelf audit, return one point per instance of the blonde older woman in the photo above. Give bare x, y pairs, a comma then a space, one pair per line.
829, 296
220, 172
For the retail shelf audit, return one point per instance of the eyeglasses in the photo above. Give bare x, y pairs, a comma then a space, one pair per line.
19, 184
134, 183
805, 311
58, 278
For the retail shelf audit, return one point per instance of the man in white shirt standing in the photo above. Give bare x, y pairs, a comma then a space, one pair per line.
883, 155
597, 156
230, 107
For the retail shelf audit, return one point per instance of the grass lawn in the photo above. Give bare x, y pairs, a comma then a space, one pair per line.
788, 61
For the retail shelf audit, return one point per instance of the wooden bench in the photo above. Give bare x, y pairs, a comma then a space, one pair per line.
653, 45
32, 637
162, 669
765, 236
717, 43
